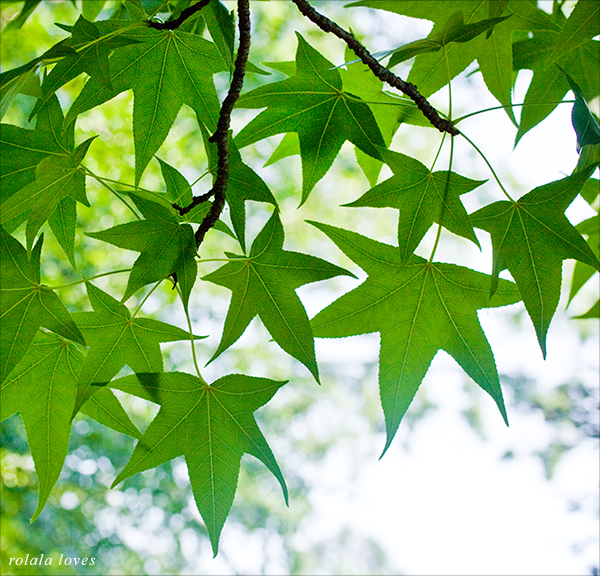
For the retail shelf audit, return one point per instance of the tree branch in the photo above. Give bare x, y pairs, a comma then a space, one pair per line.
380, 71
221, 135
185, 14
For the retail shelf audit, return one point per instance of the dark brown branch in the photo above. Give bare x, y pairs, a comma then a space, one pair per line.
221, 135
185, 14
380, 71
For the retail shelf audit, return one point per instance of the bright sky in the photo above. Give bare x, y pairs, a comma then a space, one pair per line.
449, 504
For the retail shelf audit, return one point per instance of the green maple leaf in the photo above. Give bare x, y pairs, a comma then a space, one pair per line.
165, 70
418, 307
243, 184
549, 85
313, 104
264, 284
57, 178
116, 340
423, 197
212, 426
453, 23
582, 25
42, 388
90, 53
22, 153
531, 238
22, 150
389, 110
166, 247
582, 272
26, 304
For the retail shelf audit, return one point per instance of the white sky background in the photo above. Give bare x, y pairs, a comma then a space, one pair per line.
449, 504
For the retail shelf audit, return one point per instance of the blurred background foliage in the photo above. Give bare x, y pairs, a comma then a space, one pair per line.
149, 524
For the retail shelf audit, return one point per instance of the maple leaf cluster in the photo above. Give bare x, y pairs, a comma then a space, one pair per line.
57, 363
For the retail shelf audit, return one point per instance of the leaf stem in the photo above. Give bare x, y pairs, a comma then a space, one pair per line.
489, 166
91, 278
189, 323
111, 189
135, 312
443, 208
461, 118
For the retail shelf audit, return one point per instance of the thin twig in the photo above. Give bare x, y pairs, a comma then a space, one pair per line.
185, 14
380, 71
221, 135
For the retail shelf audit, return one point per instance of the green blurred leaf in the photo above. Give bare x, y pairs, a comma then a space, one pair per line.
582, 25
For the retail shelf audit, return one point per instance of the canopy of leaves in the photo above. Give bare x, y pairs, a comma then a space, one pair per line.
61, 350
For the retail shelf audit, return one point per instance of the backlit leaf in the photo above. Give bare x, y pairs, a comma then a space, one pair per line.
26, 304
531, 238
418, 307
166, 247
264, 284
313, 104
212, 426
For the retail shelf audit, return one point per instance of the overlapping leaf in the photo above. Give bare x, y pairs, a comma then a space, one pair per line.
117, 340
264, 284
25, 304
418, 307
22, 150
583, 24
90, 53
165, 70
531, 238
57, 178
423, 197
212, 426
389, 110
313, 104
42, 388
548, 85
166, 247
493, 51
243, 184
583, 272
